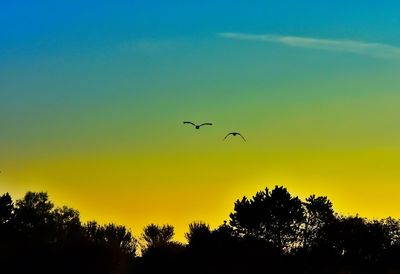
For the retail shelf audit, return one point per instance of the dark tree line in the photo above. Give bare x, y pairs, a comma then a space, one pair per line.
271, 232
36, 237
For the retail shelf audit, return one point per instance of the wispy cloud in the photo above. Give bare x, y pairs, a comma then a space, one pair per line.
377, 50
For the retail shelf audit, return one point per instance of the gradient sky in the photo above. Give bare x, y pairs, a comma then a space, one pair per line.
93, 95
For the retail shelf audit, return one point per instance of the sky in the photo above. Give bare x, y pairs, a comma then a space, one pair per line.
93, 95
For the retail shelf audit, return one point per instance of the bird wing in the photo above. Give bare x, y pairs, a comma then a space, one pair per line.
187, 122
241, 136
205, 124
227, 135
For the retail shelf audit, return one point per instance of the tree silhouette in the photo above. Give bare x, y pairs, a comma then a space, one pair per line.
93, 231
159, 252
112, 235
67, 222
7, 229
34, 217
392, 230
6, 209
274, 216
155, 235
199, 233
318, 213
121, 238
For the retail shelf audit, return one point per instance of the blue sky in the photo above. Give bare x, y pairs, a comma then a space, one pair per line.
77, 25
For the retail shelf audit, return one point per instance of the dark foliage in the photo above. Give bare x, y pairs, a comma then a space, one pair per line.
272, 232
35, 237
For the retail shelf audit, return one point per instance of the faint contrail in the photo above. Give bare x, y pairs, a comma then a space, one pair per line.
377, 50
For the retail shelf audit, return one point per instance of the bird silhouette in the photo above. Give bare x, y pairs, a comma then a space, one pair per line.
234, 134
198, 126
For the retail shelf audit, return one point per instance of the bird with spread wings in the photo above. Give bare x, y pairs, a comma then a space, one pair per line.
197, 126
234, 134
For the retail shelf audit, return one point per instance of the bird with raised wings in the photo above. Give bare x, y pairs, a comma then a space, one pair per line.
234, 134
197, 126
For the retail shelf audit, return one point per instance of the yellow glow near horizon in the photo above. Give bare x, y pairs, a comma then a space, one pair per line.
153, 190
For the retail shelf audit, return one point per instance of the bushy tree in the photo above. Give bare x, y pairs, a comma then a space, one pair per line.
67, 221
34, 217
6, 209
357, 239
155, 235
115, 236
199, 233
274, 216
121, 237
318, 213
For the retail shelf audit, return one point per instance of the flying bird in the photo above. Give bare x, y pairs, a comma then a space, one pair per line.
234, 134
198, 126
